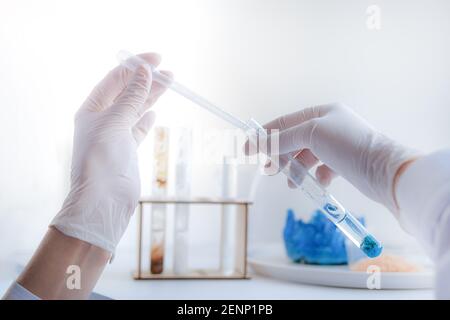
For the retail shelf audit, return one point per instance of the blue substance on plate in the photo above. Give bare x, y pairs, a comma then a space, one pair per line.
315, 242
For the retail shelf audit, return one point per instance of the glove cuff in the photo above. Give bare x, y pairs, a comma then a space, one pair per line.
386, 157
101, 224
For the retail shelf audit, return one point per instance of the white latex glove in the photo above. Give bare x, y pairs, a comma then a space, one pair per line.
105, 184
347, 145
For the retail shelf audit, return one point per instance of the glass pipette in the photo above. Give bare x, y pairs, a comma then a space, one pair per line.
294, 170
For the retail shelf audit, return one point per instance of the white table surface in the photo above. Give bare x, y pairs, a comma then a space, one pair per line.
117, 283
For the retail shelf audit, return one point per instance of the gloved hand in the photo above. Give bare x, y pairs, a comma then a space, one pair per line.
109, 126
347, 145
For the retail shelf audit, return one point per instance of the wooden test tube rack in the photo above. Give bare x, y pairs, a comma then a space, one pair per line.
240, 271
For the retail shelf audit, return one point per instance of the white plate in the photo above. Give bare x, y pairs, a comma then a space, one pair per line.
271, 261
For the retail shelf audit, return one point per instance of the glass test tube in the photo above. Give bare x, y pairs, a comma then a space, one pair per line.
228, 219
159, 189
183, 175
329, 206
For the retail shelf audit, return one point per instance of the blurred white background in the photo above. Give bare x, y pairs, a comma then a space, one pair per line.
256, 58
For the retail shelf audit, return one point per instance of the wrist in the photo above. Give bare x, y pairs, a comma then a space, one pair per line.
100, 222
48, 273
386, 160
403, 167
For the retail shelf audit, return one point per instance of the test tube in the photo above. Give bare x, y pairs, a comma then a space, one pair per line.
159, 189
228, 219
183, 173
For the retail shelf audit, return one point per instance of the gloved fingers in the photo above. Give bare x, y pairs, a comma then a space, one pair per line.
156, 91
129, 105
325, 175
291, 120
274, 167
113, 84
259, 145
143, 126
295, 138
291, 185
308, 160
305, 157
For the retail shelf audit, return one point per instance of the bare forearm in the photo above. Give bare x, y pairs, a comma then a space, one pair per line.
52, 272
